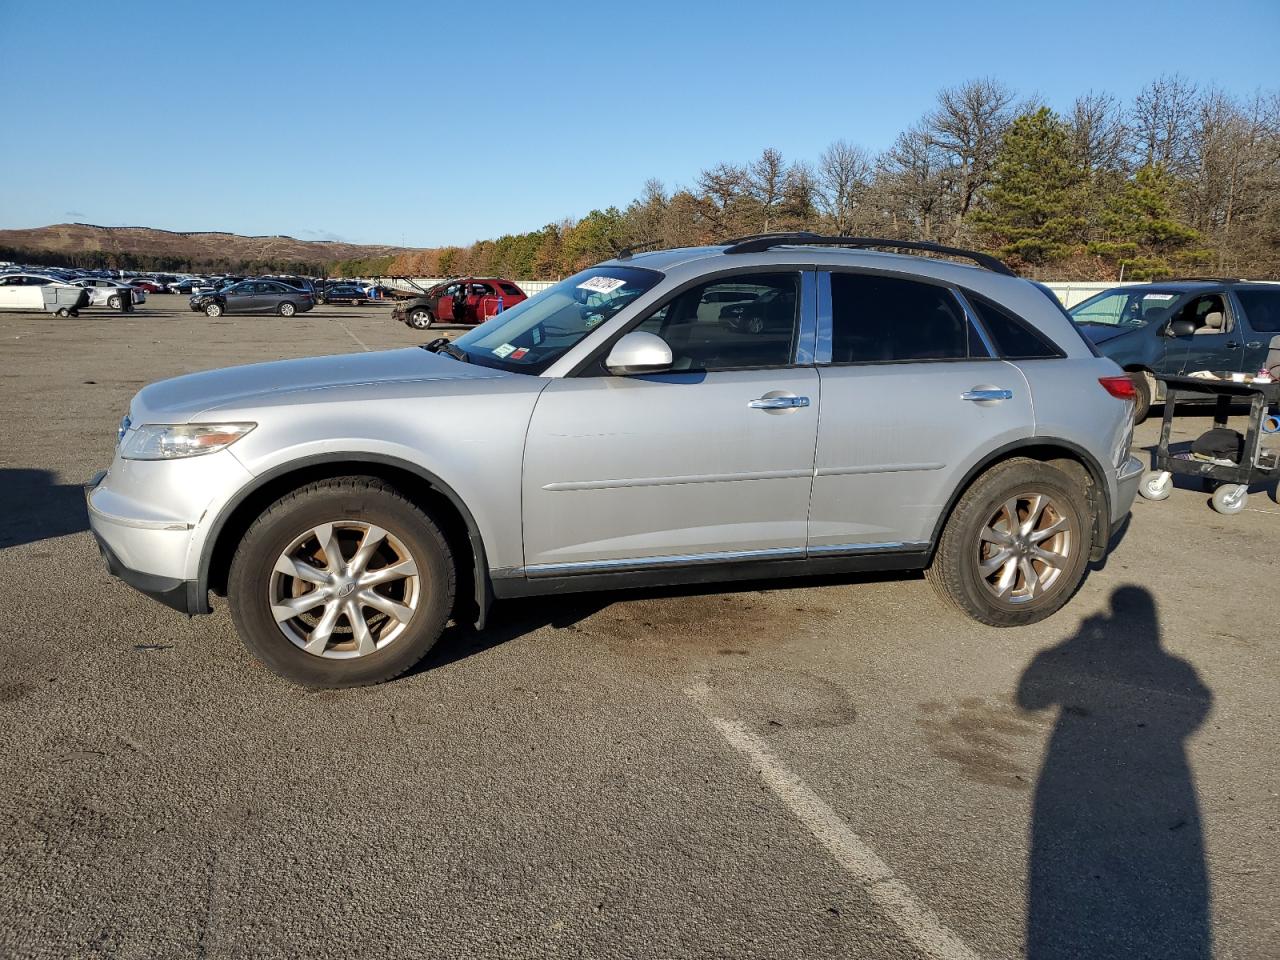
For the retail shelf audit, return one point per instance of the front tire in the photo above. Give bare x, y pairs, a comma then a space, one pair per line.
287, 309
421, 319
1016, 546
342, 583
1145, 384
213, 310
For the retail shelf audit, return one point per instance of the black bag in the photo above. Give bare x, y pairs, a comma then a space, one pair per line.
1220, 443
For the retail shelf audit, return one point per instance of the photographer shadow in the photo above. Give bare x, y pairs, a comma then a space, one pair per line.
1117, 866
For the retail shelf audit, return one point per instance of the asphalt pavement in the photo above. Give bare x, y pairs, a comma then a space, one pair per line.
788, 770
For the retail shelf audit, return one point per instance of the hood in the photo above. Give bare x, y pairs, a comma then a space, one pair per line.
1101, 333
182, 398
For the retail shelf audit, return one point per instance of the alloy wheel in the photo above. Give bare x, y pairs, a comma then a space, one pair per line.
344, 589
1024, 547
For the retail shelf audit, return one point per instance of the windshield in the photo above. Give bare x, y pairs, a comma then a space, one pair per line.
1125, 308
536, 332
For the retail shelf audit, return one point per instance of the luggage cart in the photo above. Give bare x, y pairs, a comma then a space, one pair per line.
64, 301
1255, 464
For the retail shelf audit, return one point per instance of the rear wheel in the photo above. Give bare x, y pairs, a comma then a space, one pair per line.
1015, 547
213, 310
287, 309
114, 301
420, 318
64, 312
341, 583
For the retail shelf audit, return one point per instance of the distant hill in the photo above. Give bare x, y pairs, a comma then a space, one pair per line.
86, 244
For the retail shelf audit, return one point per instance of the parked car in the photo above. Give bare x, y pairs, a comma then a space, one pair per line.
254, 296
344, 293
109, 293
300, 283
25, 291
147, 285
612, 432
186, 285
465, 300
1180, 327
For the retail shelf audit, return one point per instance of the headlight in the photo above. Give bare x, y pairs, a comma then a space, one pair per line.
171, 441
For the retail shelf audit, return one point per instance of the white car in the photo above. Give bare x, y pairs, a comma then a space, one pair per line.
106, 293
22, 291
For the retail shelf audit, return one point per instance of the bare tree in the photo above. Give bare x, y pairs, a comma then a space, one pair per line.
766, 184
843, 179
1098, 133
1162, 120
968, 125
723, 192
913, 180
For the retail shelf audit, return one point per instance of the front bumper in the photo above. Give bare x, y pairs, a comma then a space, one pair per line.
121, 540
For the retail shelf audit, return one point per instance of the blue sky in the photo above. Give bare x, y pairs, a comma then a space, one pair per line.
431, 123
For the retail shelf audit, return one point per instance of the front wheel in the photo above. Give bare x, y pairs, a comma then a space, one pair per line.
1016, 546
420, 319
1144, 384
213, 310
1230, 498
63, 312
1156, 485
287, 309
341, 583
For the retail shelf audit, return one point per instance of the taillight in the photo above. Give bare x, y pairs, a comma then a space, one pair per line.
1122, 388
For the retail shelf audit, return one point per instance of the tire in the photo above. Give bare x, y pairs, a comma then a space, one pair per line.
1144, 383
114, 302
357, 303
1230, 498
256, 587
213, 310
955, 572
421, 319
63, 312
287, 309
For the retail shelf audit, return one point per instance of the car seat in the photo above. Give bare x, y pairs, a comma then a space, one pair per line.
1213, 323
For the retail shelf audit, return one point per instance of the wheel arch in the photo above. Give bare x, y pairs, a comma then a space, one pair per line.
421, 486
1047, 450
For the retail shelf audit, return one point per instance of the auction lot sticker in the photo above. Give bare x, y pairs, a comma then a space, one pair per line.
504, 350
602, 284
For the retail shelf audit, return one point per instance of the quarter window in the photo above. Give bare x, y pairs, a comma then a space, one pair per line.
732, 323
877, 319
1014, 339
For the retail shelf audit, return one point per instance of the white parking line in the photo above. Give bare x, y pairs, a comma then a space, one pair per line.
363, 345
918, 923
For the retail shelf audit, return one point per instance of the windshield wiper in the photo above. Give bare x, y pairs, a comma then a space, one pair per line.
445, 345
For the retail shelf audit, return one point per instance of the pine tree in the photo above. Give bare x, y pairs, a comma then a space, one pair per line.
1033, 208
1143, 236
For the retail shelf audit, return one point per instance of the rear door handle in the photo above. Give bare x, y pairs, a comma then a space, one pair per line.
778, 403
983, 394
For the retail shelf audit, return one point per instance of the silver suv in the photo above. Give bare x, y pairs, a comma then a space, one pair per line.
782, 405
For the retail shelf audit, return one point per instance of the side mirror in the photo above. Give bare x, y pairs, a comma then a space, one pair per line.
1180, 328
639, 352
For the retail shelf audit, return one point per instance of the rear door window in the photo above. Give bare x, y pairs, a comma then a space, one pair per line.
1261, 308
877, 319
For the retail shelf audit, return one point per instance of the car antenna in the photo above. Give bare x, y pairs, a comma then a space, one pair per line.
626, 252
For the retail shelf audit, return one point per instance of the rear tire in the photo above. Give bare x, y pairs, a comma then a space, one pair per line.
287, 309
114, 302
980, 531
257, 590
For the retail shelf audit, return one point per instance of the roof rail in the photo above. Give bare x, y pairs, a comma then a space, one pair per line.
767, 241
1200, 280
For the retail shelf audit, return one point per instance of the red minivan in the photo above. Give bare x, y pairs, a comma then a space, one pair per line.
463, 300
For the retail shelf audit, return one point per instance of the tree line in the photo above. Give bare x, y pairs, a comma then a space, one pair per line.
1181, 180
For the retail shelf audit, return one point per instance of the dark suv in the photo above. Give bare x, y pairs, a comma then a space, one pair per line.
464, 300
1181, 326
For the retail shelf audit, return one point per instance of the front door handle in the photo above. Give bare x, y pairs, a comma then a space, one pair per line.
1233, 346
778, 403
979, 394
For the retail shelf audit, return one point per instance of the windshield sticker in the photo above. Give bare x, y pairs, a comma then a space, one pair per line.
594, 320
519, 354
504, 351
1159, 296
602, 284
